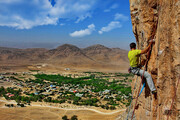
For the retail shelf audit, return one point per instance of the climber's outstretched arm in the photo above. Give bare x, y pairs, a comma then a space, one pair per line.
148, 47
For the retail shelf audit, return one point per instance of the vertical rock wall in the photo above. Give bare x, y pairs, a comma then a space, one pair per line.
159, 19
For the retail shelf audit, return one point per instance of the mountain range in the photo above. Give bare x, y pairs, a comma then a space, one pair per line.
96, 56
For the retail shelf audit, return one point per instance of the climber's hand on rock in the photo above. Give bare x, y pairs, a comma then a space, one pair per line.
152, 41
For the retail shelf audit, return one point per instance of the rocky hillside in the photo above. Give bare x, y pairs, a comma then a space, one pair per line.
159, 19
104, 54
13, 54
66, 55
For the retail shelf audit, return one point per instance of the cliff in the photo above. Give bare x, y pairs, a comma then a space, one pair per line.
159, 19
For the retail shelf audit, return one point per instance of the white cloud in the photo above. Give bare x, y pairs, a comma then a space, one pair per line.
62, 24
84, 32
83, 17
25, 14
114, 6
119, 16
112, 25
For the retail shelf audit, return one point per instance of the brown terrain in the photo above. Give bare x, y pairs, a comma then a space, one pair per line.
50, 113
38, 113
159, 19
95, 58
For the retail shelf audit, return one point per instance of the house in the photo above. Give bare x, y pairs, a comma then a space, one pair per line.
78, 95
66, 88
11, 95
67, 68
106, 91
1, 77
36, 93
52, 86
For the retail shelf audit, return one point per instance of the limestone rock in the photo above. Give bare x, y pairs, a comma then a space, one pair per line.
159, 19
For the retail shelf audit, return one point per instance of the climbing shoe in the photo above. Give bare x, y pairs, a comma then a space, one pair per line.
154, 92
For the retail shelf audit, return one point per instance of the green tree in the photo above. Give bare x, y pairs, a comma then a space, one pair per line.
74, 117
65, 117
112, 107
107, 107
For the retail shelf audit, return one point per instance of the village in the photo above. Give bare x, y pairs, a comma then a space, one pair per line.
108, 91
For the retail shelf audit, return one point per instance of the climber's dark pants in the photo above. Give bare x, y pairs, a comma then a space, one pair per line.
139, 72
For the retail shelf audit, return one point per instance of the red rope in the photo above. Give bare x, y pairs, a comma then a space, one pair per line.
173, 98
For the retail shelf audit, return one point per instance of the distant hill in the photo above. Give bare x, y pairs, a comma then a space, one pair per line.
13, 54
66, 55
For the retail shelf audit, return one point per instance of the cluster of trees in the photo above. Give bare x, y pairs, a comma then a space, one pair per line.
74, 117
32, 97
9, 105
101, 73
12, 77
17, 95
21, 105
12, 105
49, 99
124, 74
78, 101
90, 101
41, 81
96, 85
60, 79
2, 91
107, 107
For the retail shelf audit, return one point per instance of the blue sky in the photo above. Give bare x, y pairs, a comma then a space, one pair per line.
50, 23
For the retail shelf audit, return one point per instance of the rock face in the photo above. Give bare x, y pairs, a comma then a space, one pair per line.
159, 19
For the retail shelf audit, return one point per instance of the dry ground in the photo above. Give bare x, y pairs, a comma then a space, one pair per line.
5, 83
17, 67
40, 113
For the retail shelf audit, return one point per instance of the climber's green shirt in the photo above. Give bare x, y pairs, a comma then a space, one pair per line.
133, 56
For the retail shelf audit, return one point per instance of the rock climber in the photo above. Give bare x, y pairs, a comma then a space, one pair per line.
133, 56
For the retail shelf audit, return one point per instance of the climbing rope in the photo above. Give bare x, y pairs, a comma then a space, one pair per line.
134, 85
148, 56
131, 99
141, 82
142, 88
173, 98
